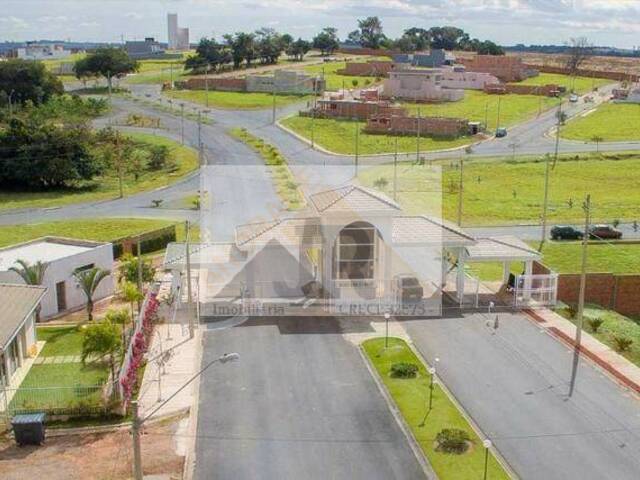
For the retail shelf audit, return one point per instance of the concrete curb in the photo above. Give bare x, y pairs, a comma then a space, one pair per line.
496, 453
608, 369
189, 464
372, 155
413, 443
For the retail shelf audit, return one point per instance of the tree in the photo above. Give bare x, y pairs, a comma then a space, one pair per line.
579, 50
405, 43
209, 53
597, 139
119, 317
447, 37
23, 80
419, 37
43, 155
354, 37
102, 340
269, 45
298, 49
131, 294
107, 62
129, 269
31, 275
88, 281
326, 41
371, 34
242, 47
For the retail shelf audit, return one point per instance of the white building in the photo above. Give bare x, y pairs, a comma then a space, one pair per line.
63, 257
458, 77
178, 37
17, 331
353, 251
36, 51
423, 85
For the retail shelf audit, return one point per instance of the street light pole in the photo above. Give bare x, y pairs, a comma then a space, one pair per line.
357, 140
583, 284
182, 123
487, 445
386, 330
206, 84
395, 171
137, 422
432, 371
460, 190
418, 137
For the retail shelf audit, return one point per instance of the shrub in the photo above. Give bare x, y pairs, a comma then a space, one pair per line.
594, 324
404, 370
381, 183
621, 343
572, 311
453, 440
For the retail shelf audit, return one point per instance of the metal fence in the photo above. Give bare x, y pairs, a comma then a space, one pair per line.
74, 400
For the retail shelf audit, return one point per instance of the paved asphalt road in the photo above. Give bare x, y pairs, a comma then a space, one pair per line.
299, 404
514, 384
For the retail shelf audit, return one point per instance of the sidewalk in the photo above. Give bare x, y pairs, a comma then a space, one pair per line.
162, 379
612, 362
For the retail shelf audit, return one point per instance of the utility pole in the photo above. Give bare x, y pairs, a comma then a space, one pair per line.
273, 112
583, 285
357, 139
139, 273
313, 133
486, 115
135, 434
119, 164
545, 205
395, 171
460, 189
188, 258
418, 137
206, 84
182, 123
498, 115
200, 134
171, 76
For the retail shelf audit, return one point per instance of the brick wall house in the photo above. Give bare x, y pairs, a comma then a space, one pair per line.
429, 126
351, 108
506, 68
420, 85
550, 90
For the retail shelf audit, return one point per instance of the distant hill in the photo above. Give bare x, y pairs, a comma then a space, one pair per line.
559, 49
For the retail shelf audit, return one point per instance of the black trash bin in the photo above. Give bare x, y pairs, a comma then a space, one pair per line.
29, 429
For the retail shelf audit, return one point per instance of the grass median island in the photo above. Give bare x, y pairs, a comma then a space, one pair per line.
477, 106
411, 396
236, 100
99, 229
579, 85
182, 161
610, 122
338, 136
283, 180
501, 191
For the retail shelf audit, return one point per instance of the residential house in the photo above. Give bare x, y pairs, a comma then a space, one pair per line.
424, 85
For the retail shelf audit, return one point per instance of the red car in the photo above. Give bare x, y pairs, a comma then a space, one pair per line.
604, 232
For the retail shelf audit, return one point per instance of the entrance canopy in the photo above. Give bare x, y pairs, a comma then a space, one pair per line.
501, 249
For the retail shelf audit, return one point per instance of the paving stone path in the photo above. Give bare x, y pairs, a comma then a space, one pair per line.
60, 359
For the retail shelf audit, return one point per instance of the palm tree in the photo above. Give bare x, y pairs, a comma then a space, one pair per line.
88, 281
31, 275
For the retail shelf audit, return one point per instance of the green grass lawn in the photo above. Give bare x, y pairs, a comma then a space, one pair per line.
479, 106
612, 122
336, 81
339, 136
579, 85
60, 341
614, 325
499, 191
619, 258
236, 100
283, 180
412, 397
102, 229
107, 186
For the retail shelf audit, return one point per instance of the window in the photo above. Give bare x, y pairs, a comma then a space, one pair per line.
355, 252
88, 266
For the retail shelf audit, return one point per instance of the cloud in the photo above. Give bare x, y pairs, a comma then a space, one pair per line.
14, 23
89, 24
134, 15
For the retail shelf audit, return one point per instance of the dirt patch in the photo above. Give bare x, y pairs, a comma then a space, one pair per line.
105, 456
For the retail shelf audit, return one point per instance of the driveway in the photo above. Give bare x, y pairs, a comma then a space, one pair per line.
299, 404
514, 384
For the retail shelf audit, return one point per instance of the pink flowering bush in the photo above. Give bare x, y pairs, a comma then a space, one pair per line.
139, 345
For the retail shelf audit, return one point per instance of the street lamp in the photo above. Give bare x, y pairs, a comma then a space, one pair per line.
432, 372
137, 422
486, 443
386, 330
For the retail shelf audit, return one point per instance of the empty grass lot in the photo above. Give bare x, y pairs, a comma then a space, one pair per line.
479, 106
579, 85
102, 230
236, 100
336, 81
339, 136
612, 122
106, 186
500, 191
411, 396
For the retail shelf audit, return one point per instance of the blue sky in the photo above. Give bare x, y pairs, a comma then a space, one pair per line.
604, 22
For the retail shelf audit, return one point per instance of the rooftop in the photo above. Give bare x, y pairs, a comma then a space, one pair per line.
17, 301
46, 249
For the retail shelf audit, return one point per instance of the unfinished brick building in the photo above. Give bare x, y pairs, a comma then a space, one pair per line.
506, 68
424, 85
367, 69
428, 126
550, 90
352, 108
222, 84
